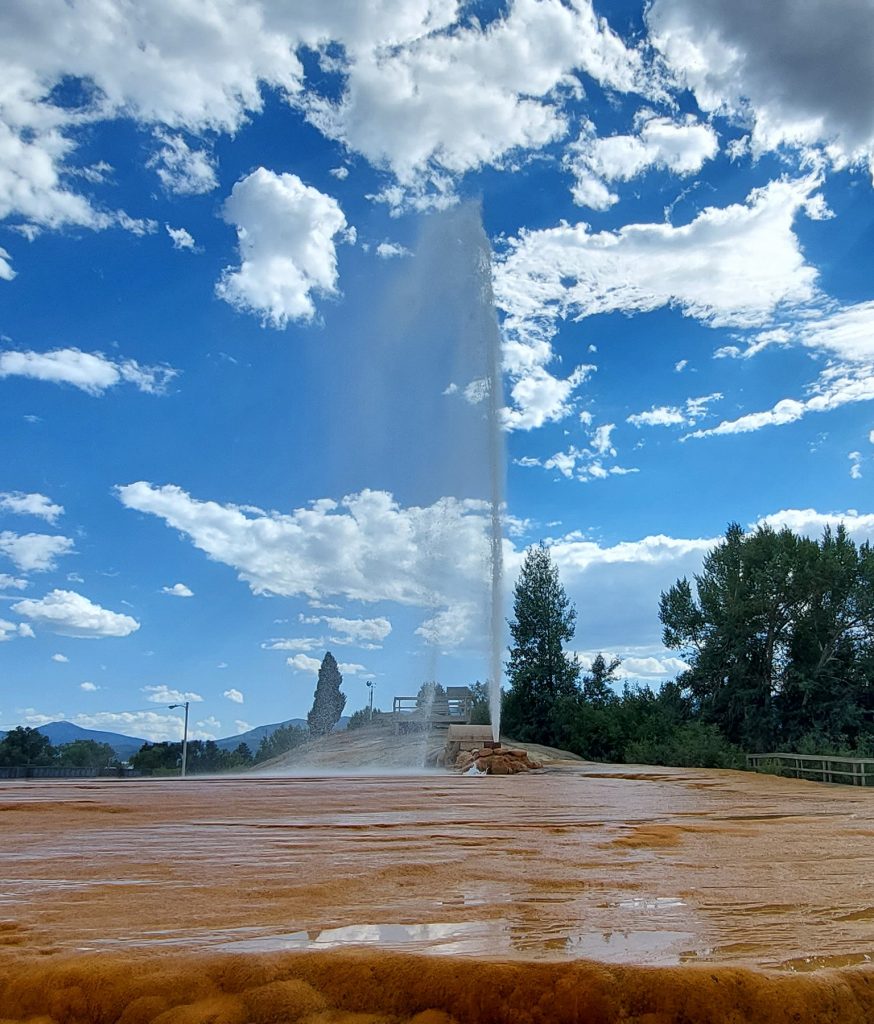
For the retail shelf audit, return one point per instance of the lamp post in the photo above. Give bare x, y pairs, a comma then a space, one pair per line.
184, 736
369, 686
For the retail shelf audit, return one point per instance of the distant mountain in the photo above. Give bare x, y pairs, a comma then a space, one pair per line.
66, 732
253, 737
126, 746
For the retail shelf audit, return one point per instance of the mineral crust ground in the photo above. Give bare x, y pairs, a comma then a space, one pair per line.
590, 893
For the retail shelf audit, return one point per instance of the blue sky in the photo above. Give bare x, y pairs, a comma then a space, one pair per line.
239, 385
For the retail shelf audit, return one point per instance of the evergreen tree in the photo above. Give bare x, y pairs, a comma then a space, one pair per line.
540, 672
328, 702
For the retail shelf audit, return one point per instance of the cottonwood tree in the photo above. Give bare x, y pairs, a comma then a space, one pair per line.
328, 701
540, 671
779, 635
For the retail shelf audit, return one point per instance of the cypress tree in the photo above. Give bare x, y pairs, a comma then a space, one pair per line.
328, 701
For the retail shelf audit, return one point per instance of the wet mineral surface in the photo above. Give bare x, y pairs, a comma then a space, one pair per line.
693, 892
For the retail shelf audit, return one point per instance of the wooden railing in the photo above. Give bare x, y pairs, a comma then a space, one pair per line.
856, 771
440, 712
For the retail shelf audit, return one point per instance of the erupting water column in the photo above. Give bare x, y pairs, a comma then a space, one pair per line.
491, 340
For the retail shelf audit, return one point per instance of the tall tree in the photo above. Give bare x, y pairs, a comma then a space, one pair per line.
23, 746
779, 634
540, 671
328, 701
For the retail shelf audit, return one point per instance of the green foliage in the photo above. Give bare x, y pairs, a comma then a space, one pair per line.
779, 633
328, 701
480, 712
428, 693
86, 754
280, 741
360, 718
541, 674
25, 746
160, 758
694, 744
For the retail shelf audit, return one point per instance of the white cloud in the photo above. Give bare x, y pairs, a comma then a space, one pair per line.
449, 628
855, 465
60, 658
301, 643
90, 371
181, 238
285, 231
536, 396
6, 271
810, 523
148, 725
241, 726
681, 147
680, 365
340, 173
601, 439
89, 687
837, 385
70, 614
692, 411
8, 630
646, 664
303, 663
210, 723
730, 266
793, 73
178, 590
162, 694
34, 552
183, 170
452, 101
387, 250
365, 547
368, 633
30, 505
234, 695
8, 582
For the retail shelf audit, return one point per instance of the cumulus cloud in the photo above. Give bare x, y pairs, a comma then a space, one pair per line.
855, 465
147, 725
162, 694
70, 614
734, 265
646, 664
366, 633
34, 552
300, 643
8, 630
681, 147
8, 582
366, 547
690, 413
178, 590
6, 271
234, 695
285, 231
303, 663
388, 250
23, 504
89, 687
181, 239
837, 385
452, 101
92, 372
796, 74
61, 658
183, 170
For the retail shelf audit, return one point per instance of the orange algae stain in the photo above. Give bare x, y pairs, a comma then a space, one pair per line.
387, 988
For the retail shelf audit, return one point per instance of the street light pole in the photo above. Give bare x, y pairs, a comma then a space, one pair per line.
184, 736
370, 687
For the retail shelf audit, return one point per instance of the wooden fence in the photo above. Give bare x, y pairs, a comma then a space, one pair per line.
855, 771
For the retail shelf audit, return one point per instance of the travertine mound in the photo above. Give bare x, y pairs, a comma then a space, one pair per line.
497, 761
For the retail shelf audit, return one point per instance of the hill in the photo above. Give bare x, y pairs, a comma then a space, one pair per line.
126, 746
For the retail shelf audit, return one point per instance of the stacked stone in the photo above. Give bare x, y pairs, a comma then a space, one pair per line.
497, 760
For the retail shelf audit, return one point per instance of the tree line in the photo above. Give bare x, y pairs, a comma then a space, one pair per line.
777, 631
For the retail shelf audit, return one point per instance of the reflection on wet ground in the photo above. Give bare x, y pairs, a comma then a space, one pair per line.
655, 866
